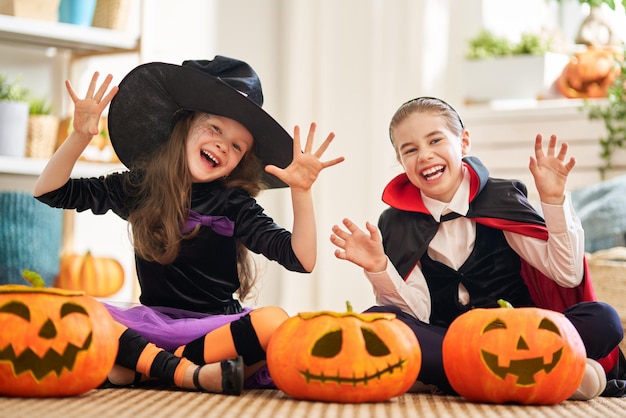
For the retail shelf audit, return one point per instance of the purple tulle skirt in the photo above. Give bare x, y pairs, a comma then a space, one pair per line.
169, 328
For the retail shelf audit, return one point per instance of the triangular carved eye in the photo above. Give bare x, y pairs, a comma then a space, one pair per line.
17, 308
495, 324
329, 345
373, 344
549, 326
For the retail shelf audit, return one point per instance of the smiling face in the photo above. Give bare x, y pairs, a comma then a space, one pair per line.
523, 355
215, 146
344, 357
431, 153
54, 342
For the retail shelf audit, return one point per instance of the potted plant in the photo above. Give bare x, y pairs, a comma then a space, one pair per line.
43, 129
612, 112
13, 117
497, 68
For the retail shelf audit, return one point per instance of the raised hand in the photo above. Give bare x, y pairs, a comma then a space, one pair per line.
550, 170
87, 111
306, 166
363, 249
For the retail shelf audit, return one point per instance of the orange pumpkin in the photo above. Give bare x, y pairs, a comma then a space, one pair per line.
96, 276
344, 357
53, 342
589, 73
522, 355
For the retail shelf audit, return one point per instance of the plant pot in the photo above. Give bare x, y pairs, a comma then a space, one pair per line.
31, 9
512, 77
13, 127
42, 136
77, 12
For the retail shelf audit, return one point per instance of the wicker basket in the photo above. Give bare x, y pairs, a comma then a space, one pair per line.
111, 14
42, 136
608, 272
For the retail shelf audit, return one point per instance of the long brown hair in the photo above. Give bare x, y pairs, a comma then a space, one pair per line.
163, 190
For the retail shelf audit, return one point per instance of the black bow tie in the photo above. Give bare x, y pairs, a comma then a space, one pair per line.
449, 216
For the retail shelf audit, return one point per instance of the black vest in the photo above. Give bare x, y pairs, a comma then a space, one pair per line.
491, 272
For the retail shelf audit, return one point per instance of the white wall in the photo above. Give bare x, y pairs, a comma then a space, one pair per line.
346, 64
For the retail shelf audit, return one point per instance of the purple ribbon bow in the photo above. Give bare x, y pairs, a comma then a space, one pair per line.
219, 224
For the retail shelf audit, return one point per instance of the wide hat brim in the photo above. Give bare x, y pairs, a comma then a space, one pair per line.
142, 113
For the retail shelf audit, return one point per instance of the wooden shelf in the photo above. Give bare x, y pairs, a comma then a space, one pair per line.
80, 39
23, 166
527, 109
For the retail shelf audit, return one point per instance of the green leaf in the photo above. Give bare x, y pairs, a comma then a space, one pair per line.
613, 113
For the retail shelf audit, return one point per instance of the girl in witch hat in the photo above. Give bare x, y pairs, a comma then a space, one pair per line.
199, 148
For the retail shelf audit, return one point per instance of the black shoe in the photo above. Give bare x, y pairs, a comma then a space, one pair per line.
232, 377
107, 384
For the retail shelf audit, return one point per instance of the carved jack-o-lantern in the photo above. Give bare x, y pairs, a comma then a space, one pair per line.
522, 355
53, 342
344, 357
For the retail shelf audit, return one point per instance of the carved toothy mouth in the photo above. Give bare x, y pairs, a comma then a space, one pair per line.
51, 362
524, 369
353, 380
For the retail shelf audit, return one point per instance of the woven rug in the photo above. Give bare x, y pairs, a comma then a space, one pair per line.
138, 403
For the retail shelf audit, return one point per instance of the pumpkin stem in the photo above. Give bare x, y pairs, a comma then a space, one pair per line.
33, 278
348, 306
504, 304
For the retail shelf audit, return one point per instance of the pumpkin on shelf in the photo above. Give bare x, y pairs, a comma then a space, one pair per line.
344, 357
54, 342
96, 276
519, 355
589, 73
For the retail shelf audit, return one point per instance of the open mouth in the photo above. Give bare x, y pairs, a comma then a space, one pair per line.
210, 158
434, 173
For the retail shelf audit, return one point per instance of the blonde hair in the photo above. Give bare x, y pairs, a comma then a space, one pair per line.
163, 190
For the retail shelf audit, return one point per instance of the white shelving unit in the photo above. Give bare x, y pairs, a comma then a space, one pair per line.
20, 173
80, 40
50, 52
75, 42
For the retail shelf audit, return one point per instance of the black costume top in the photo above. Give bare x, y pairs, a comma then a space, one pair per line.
204, 276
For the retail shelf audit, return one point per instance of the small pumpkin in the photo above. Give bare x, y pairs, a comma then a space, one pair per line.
520, 355
96, 276
54, 342
344, 357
